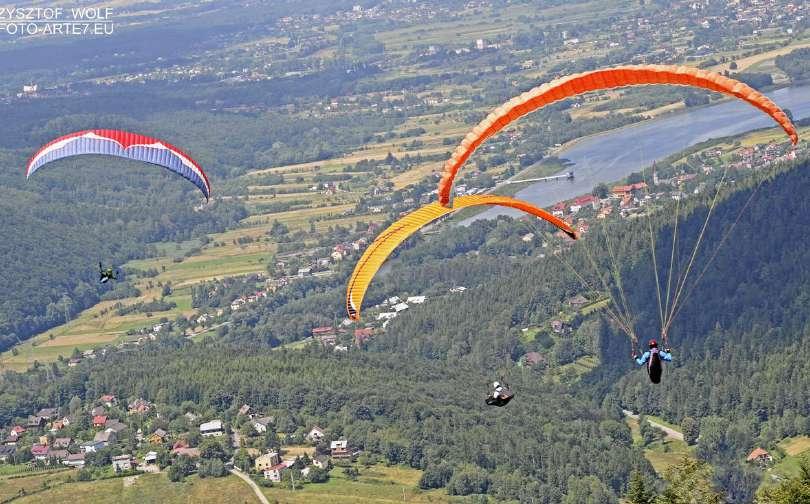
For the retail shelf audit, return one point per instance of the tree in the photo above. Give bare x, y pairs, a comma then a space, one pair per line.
649, 434
351, 473
211, 448
180, 468
435, 476
468, 479
588, 489
318, 475
691, 430
688, 482
712, 441
637, 492
212, 468
242, 460
601, 191
75, 405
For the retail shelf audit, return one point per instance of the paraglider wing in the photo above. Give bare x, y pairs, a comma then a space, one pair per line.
566, 87
122, 144
379, 250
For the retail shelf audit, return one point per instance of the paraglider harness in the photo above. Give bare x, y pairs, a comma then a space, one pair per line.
106, 274
500, 396
654, 367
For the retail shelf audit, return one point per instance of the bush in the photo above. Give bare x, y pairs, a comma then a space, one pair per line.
318, 475
351, 473
212, 468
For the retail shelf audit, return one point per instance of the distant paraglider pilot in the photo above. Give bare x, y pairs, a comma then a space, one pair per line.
500, 396
653, 358
106, 274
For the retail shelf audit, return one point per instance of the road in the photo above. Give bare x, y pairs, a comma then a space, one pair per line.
207, 329
669, 432
253, 485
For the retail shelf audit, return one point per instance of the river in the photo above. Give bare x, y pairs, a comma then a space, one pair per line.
613, 155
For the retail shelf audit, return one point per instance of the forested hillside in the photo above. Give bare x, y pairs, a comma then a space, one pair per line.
740, 338
61, 223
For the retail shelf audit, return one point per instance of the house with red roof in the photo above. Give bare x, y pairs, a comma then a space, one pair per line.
322, 331
363, 335
759, 456
581, 202
39, 452
274, 473
99, 421
625, 191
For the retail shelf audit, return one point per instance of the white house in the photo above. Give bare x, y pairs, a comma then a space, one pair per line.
340, 449
122, 463
315, 434
260, 424
212, 428
274, 473
416, 299
74, 460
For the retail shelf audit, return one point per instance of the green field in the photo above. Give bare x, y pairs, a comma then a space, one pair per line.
141, 489
661, 454
376, 484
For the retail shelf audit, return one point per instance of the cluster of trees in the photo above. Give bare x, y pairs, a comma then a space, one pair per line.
795, 64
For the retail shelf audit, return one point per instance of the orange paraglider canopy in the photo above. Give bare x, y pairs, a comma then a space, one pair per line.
566, 87
379, 250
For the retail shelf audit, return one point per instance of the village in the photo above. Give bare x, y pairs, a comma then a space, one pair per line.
113, 438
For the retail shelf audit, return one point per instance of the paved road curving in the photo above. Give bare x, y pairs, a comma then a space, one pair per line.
668, 431
253, 485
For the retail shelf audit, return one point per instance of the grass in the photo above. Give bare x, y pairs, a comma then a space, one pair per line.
11, 487
582, 365
376, 484
661, 454
529, 335
664, 454
795, 446
597, 305
147, 488
295, 345
298, 450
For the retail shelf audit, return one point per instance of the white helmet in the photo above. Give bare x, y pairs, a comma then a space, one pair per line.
496, 385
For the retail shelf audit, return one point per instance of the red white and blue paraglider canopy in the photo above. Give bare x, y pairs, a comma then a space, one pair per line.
122, 144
